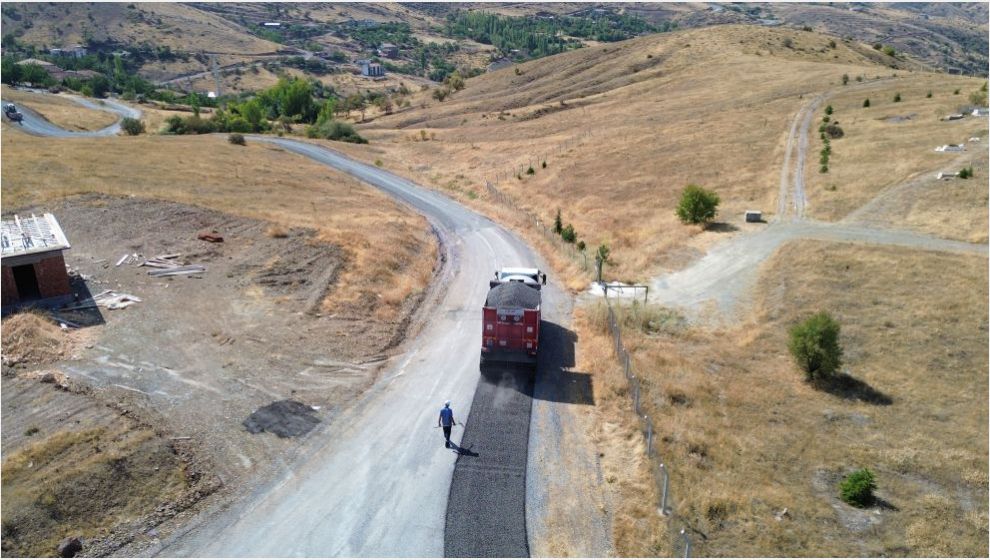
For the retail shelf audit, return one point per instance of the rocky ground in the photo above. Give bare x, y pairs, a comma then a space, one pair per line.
172, 379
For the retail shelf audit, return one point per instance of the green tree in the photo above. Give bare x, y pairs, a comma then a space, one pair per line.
866, 102
697, 205
253, 112
10, 73
829, 110
35, 75
814, 343
326, 111
857, 488
845, 79
897, 97
889, 51
568, 234
558, 224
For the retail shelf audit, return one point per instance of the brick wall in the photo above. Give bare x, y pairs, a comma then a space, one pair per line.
53, 279
8, 289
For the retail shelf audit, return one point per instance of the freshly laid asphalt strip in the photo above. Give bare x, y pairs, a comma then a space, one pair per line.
486, 508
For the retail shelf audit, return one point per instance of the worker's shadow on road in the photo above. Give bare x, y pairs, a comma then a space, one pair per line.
466, 451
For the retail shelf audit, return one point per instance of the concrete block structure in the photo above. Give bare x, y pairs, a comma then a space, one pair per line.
371, 69
31, 261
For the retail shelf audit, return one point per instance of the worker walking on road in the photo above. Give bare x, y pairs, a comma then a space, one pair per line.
445, 421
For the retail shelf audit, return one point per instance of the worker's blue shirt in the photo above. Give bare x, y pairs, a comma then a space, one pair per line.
446, 416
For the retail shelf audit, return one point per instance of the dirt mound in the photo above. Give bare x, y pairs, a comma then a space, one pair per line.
30, 338
282, 418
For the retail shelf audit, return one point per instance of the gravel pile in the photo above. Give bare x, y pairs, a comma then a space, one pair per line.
513, 295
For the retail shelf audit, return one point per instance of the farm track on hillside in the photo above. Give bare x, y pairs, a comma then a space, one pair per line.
727, 272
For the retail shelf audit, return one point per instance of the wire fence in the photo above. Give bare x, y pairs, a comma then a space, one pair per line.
494, 177
660, 471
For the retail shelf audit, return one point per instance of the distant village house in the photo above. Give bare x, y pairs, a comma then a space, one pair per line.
76, 51
388, 50
371, 69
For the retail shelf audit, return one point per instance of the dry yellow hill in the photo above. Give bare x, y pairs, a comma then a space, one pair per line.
624, 127
179, 27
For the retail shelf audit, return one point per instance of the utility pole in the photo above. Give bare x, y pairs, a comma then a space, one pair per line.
216, 74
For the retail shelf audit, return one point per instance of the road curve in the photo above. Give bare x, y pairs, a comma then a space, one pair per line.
379, 482
34, 123
375, 481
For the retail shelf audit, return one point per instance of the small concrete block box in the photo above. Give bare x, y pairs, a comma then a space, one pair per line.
754, 216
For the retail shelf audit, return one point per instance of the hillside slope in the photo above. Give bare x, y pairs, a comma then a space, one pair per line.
624, 127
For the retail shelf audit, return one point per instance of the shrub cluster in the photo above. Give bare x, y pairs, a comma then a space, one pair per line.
132, 127
966, 173
335, 130
567, 233
826, 131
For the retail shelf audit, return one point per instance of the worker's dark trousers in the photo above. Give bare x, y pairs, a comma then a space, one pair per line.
446, 434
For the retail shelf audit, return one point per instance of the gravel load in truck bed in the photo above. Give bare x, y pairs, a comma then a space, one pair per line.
513, 295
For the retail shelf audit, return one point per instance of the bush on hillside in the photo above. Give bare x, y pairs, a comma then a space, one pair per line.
335, 130
966, 173
697, 205
237, 139
857, 488
558, 224
814, 344
866, 102
834, 130
132, 127
897, 97
568, 234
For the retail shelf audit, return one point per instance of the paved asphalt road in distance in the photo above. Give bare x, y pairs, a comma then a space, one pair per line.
34, 123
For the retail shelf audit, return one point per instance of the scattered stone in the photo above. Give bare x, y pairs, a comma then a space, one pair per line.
69, 547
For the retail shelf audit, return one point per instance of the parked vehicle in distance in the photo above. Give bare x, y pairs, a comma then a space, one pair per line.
11, 112
510, 325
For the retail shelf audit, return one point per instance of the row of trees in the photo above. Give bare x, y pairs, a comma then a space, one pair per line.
291, 101
534, 37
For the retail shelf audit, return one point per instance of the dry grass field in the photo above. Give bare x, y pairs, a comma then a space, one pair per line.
888, 143
624, 127
60, 110
391, 251
746, 437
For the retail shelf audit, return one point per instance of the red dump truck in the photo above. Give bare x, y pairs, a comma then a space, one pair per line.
510, 325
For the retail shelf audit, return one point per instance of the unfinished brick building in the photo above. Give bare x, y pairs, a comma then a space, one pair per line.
31, 260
